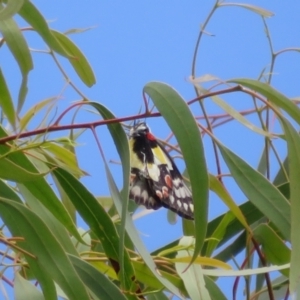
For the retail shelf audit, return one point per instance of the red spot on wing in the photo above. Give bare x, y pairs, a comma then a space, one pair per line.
168, 181
150, 136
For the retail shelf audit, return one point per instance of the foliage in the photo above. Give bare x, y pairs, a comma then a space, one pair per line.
42, 197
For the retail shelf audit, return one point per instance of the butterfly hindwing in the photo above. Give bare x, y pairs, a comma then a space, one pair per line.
171, 188
141, 190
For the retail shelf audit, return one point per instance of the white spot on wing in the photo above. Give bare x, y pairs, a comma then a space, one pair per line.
177, 192
144, 195
172, 199
187, 191
185, 206
179, 203
182, 192
136, 190
176, 182
192, 207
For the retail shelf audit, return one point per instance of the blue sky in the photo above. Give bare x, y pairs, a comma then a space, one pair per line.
133, 42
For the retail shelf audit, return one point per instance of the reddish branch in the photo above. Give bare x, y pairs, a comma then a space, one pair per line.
56, 127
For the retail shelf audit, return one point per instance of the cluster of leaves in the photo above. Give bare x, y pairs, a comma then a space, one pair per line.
41, 193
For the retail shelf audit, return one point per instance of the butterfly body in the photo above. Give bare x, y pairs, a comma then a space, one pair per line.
155, 179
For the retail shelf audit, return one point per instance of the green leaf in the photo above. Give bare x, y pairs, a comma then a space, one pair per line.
34, 18
275, 250
192, 277
272, 95
260, 191
19, 49
96, 217
121, 142
24, 290
41, 243
97, 282
17, 44
258, 10
77, 59
293, 144
182, 123
22, 93
11, 8
6, 102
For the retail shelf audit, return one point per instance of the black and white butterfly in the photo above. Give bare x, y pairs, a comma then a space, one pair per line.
155, 180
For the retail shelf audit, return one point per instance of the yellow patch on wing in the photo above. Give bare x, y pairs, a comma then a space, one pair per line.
160, 157
150, 170
134, 160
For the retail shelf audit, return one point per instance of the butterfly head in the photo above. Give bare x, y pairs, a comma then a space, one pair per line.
142, 131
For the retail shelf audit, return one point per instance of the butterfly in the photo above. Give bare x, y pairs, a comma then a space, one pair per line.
155, 180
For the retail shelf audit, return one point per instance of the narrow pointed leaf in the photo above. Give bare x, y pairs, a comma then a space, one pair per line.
182, 123
121, 143
260, 191
22, 92
19, 49
293, 144
17, 44
6, 102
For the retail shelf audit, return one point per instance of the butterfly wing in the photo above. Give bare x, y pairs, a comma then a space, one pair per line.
170, 187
